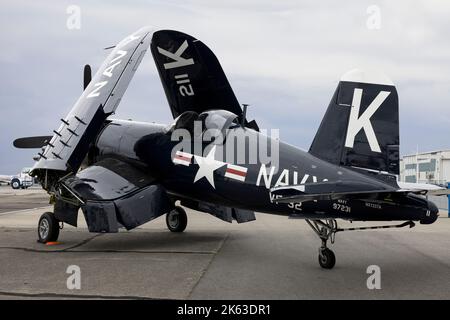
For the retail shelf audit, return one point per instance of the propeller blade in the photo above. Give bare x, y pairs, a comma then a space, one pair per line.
87, 75
32, 142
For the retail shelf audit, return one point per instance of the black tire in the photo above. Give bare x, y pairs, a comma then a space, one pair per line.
15, 183
48, 228
327, 259
176, 220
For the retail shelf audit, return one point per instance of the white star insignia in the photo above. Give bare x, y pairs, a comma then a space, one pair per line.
206, 166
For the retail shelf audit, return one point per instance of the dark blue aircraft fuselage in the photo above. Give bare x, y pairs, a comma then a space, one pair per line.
247, 185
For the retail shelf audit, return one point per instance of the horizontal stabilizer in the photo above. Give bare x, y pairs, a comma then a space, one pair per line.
324, 190
342, 189
423, 189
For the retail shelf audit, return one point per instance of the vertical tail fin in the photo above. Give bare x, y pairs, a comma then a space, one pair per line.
361, 125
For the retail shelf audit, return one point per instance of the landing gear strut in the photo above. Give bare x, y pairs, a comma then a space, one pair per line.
327, 229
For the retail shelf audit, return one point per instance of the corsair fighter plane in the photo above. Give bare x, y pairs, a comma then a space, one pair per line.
125, 173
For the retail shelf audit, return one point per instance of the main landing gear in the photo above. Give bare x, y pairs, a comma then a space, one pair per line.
327, 229
48, 228
176, 219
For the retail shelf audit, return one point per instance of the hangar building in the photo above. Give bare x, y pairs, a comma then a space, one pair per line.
427, 167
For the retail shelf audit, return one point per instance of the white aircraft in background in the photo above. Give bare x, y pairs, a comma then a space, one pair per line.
23, 180
5, 179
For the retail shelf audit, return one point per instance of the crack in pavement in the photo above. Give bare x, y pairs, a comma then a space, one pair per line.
207, 266
75, 296
54, 295
57, 250
22, 210
108, 251
80, 244
71, 249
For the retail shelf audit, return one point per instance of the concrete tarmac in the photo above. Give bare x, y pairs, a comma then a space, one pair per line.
270, 258
13, 200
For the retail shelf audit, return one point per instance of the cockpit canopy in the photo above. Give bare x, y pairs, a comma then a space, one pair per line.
209, 120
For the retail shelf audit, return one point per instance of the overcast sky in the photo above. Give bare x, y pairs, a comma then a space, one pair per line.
284, 58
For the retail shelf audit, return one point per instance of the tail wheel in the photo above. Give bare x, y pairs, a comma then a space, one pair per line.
48, 228
327, 259
15, 183
176, 220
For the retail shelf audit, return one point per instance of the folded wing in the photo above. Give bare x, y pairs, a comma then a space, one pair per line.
70, 142
191, 75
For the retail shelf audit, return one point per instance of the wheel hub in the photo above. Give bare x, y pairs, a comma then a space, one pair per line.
323, 257
44, 229
174, 220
